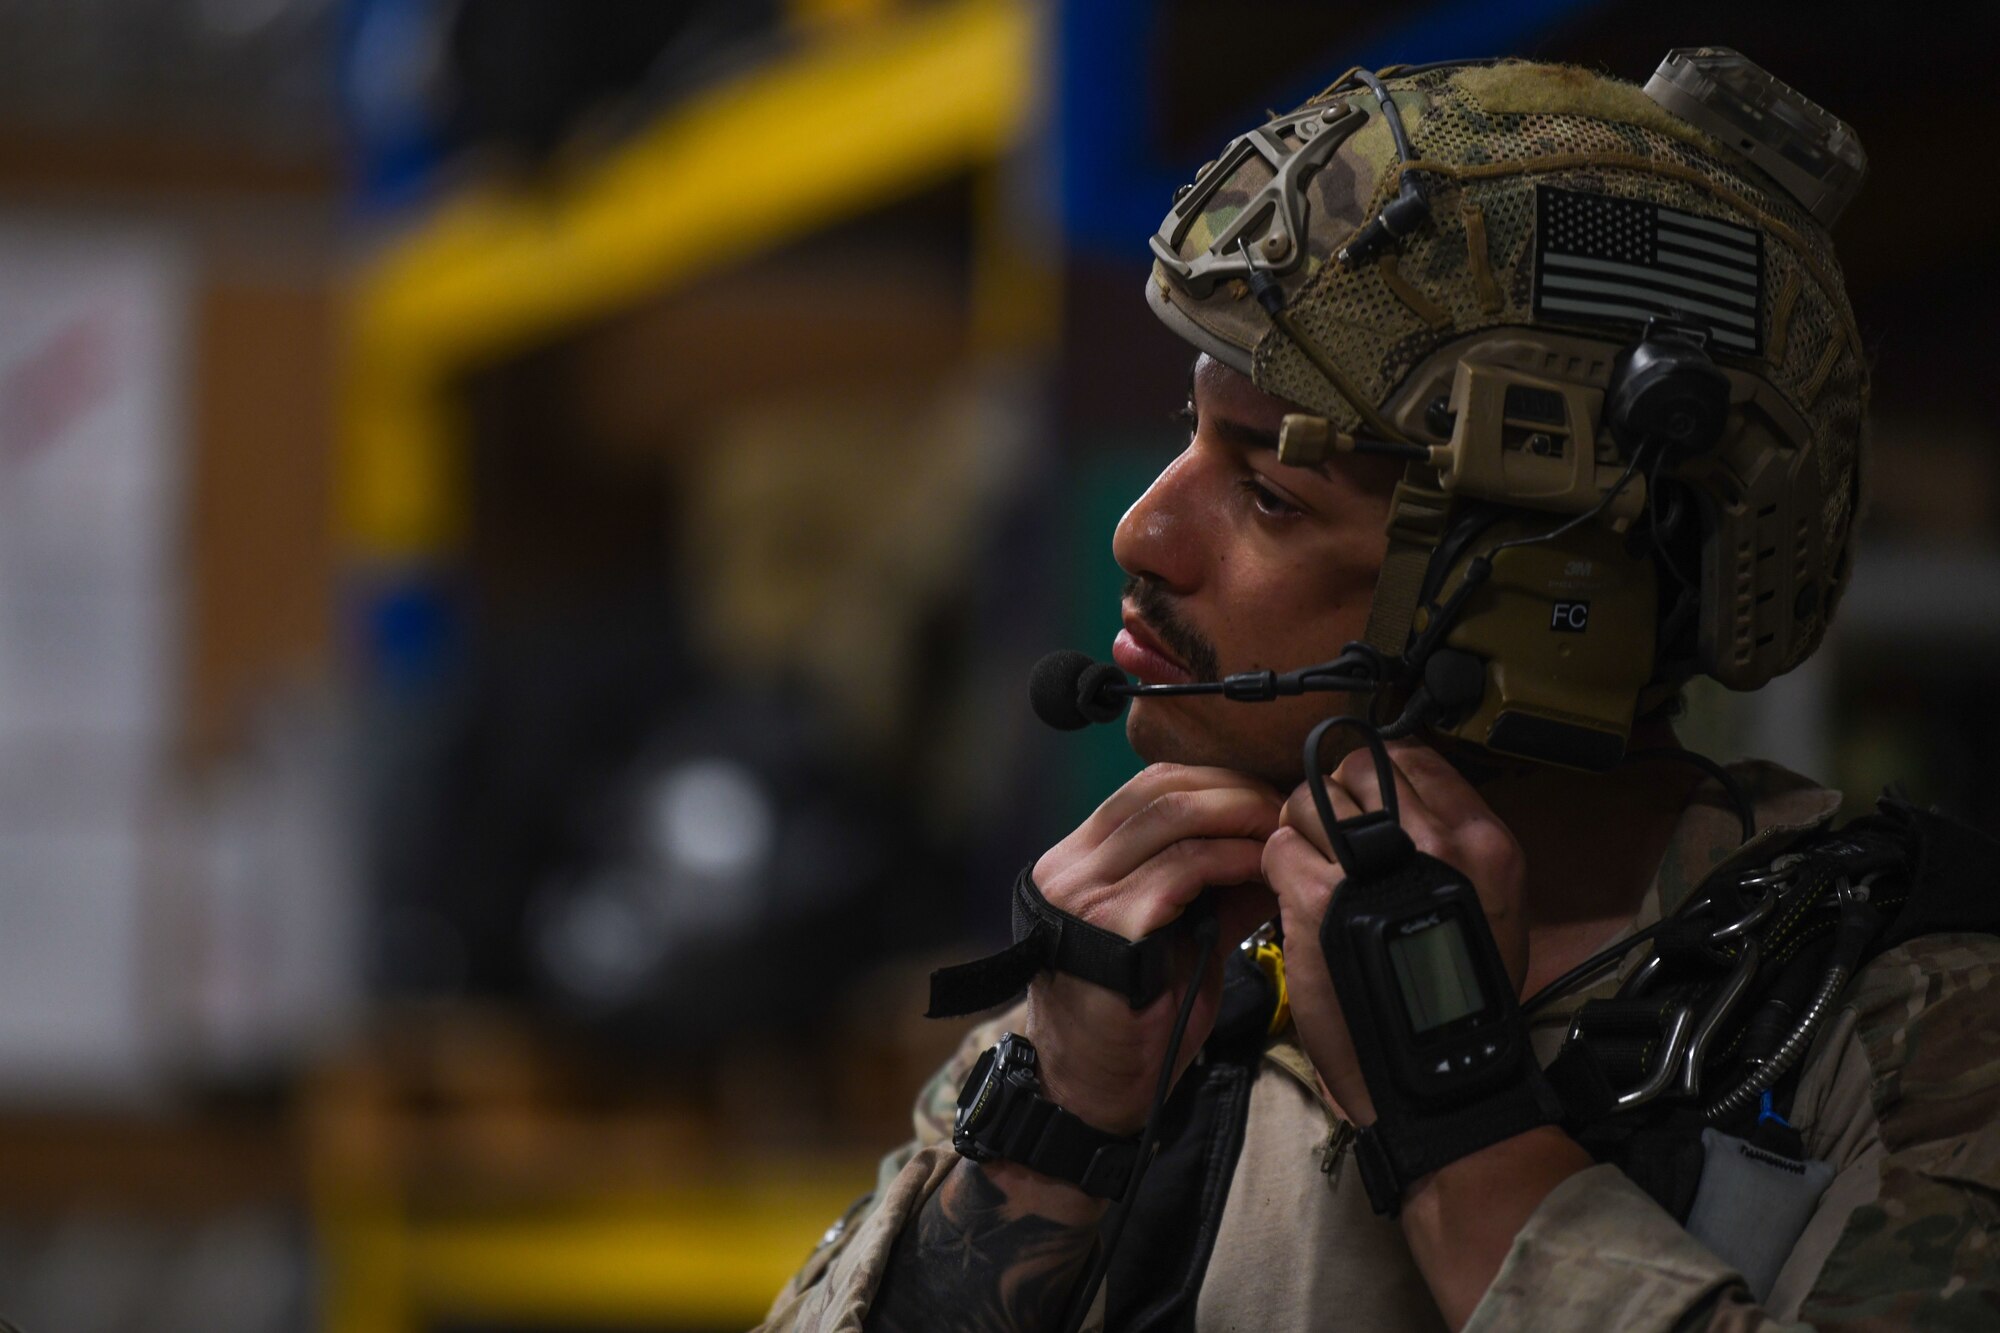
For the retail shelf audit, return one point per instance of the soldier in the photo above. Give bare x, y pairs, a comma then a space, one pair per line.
1542, 392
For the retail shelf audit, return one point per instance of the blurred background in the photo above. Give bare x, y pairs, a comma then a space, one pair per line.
523, 526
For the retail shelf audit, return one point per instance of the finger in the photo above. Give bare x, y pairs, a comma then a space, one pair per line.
1302, 814
1155, 781
1175, 816
1442, 787
1301, 877
1287, 853
1357, 774
1160, 890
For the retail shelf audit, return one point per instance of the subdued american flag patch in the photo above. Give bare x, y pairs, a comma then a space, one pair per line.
1626, 260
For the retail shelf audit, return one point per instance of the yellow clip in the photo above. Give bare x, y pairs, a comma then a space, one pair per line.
1270, 960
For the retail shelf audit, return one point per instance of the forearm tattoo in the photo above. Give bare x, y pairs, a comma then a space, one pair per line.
965, 1264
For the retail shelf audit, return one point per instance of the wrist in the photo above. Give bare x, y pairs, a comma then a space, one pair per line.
1356, 1107
1109, 1086
1520, 1170
1461, 1220
1102, 1104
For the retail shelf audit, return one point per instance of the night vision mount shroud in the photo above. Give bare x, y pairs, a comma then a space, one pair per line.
1605, 328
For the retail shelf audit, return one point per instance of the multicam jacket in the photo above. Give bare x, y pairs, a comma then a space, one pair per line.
1901, 1093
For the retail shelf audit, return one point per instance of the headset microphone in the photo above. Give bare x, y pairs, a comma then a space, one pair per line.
1069, 690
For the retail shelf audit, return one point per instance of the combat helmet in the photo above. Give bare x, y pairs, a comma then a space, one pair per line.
1606, 327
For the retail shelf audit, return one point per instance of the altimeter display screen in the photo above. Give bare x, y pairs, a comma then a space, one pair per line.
1434, 971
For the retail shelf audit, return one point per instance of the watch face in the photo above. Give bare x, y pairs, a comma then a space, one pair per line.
973, 1094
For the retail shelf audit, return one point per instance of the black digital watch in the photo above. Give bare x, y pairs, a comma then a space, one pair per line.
1002, 1117
1430, 1009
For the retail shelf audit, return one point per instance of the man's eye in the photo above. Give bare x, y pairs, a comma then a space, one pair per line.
1268, 501
1186, 419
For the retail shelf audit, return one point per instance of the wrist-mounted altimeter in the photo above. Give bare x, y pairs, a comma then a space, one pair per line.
1429, 1006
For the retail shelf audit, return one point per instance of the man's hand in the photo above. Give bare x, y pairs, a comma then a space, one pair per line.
998, 1245
1132, 867
1446, 819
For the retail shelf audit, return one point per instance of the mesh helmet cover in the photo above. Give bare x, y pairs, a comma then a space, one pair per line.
1485, 137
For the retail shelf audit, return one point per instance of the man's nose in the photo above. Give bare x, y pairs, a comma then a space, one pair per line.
1162, 534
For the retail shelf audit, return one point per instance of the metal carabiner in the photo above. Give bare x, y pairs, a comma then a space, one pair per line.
1673, 1049
1750, 920
1774, 874
1642, 976
1719, 1007
1856, 893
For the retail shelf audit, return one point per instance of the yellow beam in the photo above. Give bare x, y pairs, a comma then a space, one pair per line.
853, 120
823, 135
712, 1258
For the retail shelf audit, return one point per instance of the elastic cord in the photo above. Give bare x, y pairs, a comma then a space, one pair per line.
1385, 778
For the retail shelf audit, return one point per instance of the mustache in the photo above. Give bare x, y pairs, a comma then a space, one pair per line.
1158, 609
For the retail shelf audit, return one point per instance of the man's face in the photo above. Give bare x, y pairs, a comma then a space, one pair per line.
1240, 563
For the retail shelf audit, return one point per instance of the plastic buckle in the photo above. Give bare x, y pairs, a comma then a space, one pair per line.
1378, 1173
1374, 844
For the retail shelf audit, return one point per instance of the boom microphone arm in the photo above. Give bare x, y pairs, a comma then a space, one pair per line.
1070, 690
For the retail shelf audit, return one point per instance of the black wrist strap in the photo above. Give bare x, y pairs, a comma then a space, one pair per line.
1411, 1137
1395, 1152
1036, 1133
1046, 937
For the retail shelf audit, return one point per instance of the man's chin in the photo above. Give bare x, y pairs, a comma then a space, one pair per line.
1161, 732
1198, 732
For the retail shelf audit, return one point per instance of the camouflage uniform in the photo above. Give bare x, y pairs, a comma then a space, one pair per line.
1901, 1093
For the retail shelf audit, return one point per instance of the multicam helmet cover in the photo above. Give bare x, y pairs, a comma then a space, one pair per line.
1565, 208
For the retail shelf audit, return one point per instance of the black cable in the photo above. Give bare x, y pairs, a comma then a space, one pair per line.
1411, 207
1480, 567
1597, 962
1390, 113
1657, 530
1604, 503
1205, 932
1746, 815
1589, 967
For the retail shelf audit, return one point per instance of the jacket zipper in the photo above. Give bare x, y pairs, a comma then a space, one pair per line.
1333, 1156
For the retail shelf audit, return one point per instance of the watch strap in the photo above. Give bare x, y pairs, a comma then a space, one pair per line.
1032, 1131
1003, 1117
1394, 1154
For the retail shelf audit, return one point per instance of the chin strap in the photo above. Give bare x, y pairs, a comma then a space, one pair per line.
1416, 526
1047, 938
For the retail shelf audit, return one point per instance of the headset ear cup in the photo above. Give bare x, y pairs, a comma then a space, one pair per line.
1668, 391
